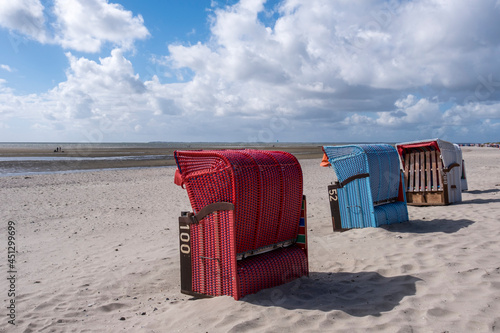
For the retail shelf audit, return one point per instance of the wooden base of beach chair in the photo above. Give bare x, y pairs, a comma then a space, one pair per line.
425, 198
335, 207
426, 179
185, 250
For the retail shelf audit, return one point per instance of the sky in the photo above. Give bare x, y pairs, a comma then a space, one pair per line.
249, 71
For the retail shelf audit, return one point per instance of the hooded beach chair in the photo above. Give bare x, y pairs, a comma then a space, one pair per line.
247, 230
434, 172
368, 191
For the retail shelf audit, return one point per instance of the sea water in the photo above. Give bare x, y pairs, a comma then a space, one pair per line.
43, 159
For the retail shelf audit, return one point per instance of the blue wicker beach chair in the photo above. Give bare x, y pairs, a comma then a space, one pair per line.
368, 191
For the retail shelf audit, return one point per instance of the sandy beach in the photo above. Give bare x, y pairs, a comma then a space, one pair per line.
98, 252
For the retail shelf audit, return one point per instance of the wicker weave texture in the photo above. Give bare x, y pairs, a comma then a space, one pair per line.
356, 204
266, 190
383, 162
347, 161
213, 257
271, 269
265, 186
394, 212
368, 201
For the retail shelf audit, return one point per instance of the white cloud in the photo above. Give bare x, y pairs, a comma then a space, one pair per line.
326, 58
3, 88
25, 16
84, 25
6, 67
339, 47
95, 91
411, 112
414, 118
421, 118
333, 70
464, 115
11, 105
98, 101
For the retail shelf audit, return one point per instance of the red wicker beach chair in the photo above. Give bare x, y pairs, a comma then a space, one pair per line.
247, 230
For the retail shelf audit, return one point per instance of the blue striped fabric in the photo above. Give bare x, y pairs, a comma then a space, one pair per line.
383, 161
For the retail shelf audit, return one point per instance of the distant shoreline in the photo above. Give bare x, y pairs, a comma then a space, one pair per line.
34, 158
102, 156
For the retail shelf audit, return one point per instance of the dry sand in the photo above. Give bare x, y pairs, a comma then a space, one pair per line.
98, 252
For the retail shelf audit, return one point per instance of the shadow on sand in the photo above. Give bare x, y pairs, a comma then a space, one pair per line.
431, 226
358, 294
491, 190
479, 201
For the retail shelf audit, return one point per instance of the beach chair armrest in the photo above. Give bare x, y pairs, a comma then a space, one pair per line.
451, 166
191, 218
350, 179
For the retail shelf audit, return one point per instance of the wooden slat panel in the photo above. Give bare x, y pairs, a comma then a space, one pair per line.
439, 170
422, 171
428, 170
417, 172
412, 172
434, 171
407, 176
